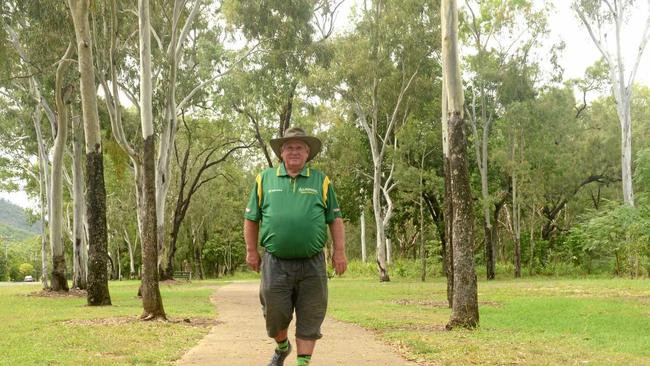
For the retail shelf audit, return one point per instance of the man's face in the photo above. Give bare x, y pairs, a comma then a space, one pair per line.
295, 153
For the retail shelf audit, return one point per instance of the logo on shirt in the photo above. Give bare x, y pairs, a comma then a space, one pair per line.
275, 190
307, 191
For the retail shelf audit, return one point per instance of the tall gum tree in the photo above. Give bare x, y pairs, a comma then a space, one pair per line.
97, 280
291, 39
487, 26
173, 54
62, 96
183, 31
35, 89
378, 68
465, 293
598, 16
151, 298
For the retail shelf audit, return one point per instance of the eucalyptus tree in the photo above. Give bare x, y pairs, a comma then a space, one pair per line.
31, 53
212, 150
602, 18
289, 38
488, 29
557, 165
187, 63
419, 172
23, 159
465, 292
376, 70
122, 207
151, 298
63, 95
98, 293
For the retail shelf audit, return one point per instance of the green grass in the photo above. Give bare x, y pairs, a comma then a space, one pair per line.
523, 322
64, 331
534, 321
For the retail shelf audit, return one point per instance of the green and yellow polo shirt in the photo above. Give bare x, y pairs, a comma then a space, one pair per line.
294, 212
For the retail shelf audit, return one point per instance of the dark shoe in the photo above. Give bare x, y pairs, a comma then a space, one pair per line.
279, 357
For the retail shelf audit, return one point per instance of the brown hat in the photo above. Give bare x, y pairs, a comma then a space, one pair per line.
296, 133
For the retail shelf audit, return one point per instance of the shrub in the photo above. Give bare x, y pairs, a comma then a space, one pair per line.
617, 233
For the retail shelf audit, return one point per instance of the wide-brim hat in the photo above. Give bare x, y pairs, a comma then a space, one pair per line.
296, 133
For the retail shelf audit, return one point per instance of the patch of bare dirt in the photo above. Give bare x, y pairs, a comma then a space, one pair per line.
193, 322
440, 304
74, 292
425, 328
174, 282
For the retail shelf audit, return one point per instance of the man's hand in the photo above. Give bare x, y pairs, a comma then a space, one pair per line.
251, 229
339, 262
253, 260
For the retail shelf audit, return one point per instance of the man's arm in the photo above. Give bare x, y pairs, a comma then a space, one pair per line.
339, 260
251, 233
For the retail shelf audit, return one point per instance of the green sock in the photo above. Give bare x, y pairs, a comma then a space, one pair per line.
303, 360
283, 345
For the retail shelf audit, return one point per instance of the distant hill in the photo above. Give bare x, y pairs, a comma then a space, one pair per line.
14, 224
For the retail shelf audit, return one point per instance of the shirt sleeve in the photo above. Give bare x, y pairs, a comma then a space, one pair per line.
332, 209
253, 209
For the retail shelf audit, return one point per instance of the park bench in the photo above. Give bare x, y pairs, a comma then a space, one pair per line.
187, 276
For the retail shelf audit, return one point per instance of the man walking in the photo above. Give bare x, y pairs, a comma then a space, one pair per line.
294, 204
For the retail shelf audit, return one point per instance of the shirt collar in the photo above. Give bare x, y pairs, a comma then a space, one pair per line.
281, 171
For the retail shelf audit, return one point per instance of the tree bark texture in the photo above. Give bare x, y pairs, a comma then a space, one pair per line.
151, 298
98, 293
465, 294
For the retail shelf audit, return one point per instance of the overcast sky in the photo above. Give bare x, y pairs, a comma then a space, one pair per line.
580, 50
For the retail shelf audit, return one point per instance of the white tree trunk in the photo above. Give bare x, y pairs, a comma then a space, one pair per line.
622, 89
59, 282
127, 239
43, 184
80, 250
362, 221
168, 137
388, 250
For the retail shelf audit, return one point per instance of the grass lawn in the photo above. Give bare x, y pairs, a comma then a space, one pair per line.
64, 331
537, 321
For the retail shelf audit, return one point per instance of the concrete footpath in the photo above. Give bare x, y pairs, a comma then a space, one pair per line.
239, 338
